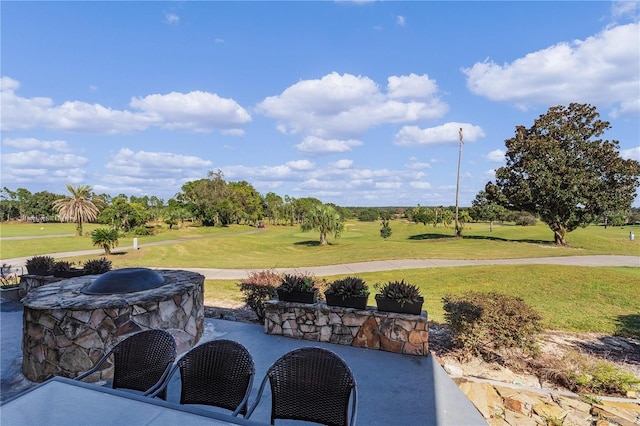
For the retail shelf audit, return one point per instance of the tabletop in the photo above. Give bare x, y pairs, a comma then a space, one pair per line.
62, 401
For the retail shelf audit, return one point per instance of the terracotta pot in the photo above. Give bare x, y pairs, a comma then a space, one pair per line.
357, 302
390, 305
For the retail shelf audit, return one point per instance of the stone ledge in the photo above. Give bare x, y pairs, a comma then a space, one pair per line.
369, 328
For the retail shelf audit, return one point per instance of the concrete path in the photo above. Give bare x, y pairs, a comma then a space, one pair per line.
378, 265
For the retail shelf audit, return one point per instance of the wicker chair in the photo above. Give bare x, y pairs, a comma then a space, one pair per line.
218, 373
310, 384
140, 361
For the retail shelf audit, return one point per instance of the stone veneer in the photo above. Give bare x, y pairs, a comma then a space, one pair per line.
65, 332
370, 328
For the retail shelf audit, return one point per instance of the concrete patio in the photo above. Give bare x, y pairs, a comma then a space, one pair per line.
393, 389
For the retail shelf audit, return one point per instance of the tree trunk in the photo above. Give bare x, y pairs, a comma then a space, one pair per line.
323, 238
559, 233
491, 226
79, 228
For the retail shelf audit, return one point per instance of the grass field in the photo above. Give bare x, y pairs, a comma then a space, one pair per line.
602, 299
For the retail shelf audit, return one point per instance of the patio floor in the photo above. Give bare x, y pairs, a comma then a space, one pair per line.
393, 389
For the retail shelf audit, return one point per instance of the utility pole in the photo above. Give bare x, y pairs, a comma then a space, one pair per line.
458, 230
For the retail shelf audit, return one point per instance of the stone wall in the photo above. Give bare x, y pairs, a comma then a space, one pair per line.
370, 328
65, 332
29, 282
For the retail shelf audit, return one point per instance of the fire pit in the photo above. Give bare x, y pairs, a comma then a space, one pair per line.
68, 325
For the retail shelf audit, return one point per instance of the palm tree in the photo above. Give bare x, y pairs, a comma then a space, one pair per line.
106, 238
325, 219
79, 207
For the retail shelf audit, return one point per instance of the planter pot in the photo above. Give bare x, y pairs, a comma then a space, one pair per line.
390, 305
69, 274
298, 296
357, 302
10, 293
38, 271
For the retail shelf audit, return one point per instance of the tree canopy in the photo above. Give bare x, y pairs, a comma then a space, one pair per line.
325, 219
561, 171
80, 207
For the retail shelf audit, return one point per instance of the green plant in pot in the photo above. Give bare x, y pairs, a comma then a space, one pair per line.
40, 265
65, 269
348, 292
298, 288
97, 266
398, 296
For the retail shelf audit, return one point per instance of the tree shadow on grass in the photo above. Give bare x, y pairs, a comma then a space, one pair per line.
628, 325
310, 243
430, 237
513, 240
434, 236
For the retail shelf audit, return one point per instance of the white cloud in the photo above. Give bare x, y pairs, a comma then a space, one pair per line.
420, 185
446, 133
342, 164
198, 111
411, 86
624, 8
154, 165
401, 20
631, 154
338, 106
195, 111
318, 146
603, 70
414, 164
42, 167
33, 143
171, 18
301, 165
496, 156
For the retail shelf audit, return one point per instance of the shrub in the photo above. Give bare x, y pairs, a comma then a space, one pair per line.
97, 266
582, 373
485, 323
526, 220
142, 230
259, 287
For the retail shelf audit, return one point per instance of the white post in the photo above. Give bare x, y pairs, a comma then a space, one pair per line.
135, 244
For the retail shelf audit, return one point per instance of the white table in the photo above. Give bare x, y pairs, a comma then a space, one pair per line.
62, 401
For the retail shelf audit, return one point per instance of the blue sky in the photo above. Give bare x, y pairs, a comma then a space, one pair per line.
354, 103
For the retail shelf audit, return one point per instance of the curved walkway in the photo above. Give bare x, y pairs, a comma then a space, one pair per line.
383, 265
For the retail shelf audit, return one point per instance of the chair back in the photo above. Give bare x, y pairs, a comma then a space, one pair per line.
218, 373
312, 384
141, 360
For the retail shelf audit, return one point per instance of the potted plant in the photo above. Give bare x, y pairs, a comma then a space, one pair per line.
348, 292
40, 265
297, 288
96, 266
9, 283
398, 296
64, 269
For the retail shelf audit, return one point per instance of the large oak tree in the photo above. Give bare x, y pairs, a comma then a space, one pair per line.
561, 171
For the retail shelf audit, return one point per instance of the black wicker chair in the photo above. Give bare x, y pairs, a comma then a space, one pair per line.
311, 384
218, 373
140, 361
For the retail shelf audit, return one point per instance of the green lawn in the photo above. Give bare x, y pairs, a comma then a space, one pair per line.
598, 299
569, 298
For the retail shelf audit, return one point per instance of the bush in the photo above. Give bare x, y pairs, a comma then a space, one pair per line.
259, 287
142, 231
582, 373
348, 287
399, 291
486, 323
526, 220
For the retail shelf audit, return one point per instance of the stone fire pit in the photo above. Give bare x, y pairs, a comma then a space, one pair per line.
66, 331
